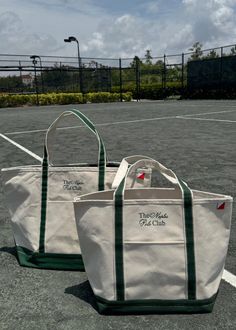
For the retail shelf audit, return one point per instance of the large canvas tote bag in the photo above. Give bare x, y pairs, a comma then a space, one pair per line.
154, 250
40, 201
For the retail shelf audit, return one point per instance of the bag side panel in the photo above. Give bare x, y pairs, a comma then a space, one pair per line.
61, 234
95, 225
211, 230
22, 190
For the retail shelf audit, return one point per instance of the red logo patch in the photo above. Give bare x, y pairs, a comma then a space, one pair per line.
141, 176
220, 206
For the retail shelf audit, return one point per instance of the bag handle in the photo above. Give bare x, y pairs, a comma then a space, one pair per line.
46, 161
148, 163
188, 221
124, 165
101, 153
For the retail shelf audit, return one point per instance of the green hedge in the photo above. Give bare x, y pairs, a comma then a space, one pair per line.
207, 93
107, 97
10, 100
152, 91
155, 91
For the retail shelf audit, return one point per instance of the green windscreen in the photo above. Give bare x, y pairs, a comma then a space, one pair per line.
212, 73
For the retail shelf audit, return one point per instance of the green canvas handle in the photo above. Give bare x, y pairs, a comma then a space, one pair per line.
188, 218
102, 151
46, 162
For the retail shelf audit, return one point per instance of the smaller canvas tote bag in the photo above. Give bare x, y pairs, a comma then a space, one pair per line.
154, 250
40, 201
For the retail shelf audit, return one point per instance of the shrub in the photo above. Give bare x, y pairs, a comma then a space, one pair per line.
60, 98
152, 91
102, 97
127, 97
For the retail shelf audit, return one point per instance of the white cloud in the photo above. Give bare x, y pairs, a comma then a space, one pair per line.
122, 37
16, 39
212, 20
152, 7
95, 44
164, 26
222, 17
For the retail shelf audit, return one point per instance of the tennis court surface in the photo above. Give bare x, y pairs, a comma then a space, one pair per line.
196, 139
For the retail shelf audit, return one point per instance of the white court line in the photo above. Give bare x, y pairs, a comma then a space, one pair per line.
206, 119
102, 124
136, 121
32, 131
22, 148
184, 116
186, 105
208, 113
229, 278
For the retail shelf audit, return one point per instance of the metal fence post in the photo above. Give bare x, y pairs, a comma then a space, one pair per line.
137, 77
42, 79
182, 78
110, 80
81, 83
164, 76
221, 67
22, 85
36, 82
137, 74
120, 70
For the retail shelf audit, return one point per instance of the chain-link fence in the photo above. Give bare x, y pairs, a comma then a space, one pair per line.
215, 69
149, 77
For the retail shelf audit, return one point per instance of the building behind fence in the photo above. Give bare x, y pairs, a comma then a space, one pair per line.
154, 77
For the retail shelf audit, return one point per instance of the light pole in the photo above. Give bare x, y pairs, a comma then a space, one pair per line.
35, 78
41, 69
70, 39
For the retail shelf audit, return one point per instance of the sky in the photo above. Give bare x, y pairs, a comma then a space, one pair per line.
114, 29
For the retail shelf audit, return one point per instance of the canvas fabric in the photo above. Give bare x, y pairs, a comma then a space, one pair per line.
40, 202
154, 249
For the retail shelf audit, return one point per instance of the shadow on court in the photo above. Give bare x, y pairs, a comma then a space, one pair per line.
84, 292
11, 250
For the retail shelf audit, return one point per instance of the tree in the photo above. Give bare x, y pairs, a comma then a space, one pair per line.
197, 51
148, 57
59, 77
136, 60
11, 84
212, 54
233, 50
159, 65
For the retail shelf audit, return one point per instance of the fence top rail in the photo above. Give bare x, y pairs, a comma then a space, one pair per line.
61, 56
214, 48
114, 59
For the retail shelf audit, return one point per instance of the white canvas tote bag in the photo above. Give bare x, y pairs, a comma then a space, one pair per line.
154, 250
40, 202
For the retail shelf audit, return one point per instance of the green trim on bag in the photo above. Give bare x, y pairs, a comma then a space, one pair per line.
43, 202
189, 232
102, 150
120, 289
155, 306
102, 168
110, 164
61, 261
